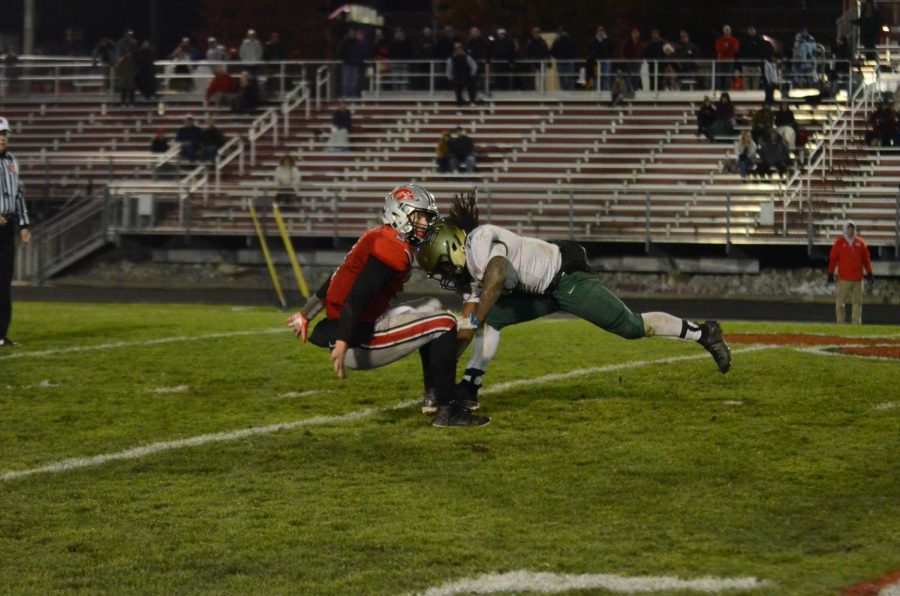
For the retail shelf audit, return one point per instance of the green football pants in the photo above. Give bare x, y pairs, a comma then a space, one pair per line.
581, 294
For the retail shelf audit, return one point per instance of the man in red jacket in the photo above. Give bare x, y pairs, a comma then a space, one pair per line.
727, 47
362, 330
849, 255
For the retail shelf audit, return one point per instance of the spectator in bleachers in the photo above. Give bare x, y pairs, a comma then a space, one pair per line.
188, 136
125, 73
633, 53
725, 121
211, 140
745, 154
144, 58
869, 23
668, 68
126, 44
654, 54
754, 49
786, 124
221, 89
442, 153
462, 151
773, 155
400, 52
503, 52
182, 80
687, 53
443, 47
159, 144
461, 69
341, 124
424, 50
476, 47
353, 53
883, 123
620, 89
771, 78
287, 178
215, 52
706, 116
727, 47
563, 51
762, 122
342, 117
536, 52
274, 50
804, 59
251, 51
601, 52
104, 53
247, 98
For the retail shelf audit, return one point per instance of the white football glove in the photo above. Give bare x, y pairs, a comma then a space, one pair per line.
464, 323
300, 324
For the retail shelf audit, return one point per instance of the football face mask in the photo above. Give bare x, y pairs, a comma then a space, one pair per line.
443, 256
410, 209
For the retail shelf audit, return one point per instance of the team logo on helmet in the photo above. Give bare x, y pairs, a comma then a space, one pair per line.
403, 194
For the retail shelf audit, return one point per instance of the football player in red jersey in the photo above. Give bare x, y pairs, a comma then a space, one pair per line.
363, 331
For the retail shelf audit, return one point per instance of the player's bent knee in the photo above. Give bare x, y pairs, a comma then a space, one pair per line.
631, 327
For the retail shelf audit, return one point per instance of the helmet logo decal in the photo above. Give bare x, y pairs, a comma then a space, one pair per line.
403, 194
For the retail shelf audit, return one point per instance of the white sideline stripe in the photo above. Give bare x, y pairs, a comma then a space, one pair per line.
145, 450
164, 390
581, 372
890, 590
136, 452
148, 342
550, 583
45, 384
291, 394
888, 405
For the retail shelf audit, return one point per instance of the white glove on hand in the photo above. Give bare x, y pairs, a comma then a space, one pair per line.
463, 323
300, 324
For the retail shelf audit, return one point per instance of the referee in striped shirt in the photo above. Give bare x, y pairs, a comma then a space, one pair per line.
13, 213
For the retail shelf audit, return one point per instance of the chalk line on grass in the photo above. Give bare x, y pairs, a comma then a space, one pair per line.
144, 343
153, 448
167, 390
551, 583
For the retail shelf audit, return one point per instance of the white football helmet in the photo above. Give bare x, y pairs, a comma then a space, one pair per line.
399, 206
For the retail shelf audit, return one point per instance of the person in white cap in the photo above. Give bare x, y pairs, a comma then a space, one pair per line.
13, 213
251, 48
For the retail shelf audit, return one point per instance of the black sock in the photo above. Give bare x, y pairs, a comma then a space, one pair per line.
442, 361
425, 355
472, 379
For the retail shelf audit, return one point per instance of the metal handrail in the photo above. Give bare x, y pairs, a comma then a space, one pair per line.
233, 149
298, 95
323, 79
263, 124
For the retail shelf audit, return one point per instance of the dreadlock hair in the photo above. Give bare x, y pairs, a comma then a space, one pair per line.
464, 211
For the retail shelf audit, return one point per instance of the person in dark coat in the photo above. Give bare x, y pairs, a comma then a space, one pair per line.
600, 51
563, 51
869, 23
706, 115
773, 154
502, 54
146, 71
461, 70
353, 53
400, 52
536, 51
247, 98
633, 52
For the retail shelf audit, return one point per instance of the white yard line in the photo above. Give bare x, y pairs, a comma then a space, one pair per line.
153, 448
550, 583
167, 390
130, 344
293, 394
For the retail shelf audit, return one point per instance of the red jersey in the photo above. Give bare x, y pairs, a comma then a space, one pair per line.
849, 259
727, 47
384, 244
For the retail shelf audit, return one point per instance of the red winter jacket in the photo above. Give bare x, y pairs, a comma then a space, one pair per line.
849, 259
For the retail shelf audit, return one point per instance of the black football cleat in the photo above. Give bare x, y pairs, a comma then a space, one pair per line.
467, 396
429, 403
712, 340
454, 415
5, 342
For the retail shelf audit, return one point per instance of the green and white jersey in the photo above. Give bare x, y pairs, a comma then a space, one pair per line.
533, 263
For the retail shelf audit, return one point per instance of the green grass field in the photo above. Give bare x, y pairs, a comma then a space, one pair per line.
786, 470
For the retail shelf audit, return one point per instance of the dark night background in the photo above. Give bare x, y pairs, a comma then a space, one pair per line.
74, 26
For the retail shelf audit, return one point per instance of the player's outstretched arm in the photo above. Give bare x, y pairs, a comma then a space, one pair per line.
491, 286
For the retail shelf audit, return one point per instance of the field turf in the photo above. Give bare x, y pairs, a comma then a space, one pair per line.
787, 469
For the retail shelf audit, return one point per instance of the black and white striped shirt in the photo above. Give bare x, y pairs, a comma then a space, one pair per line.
12, 190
